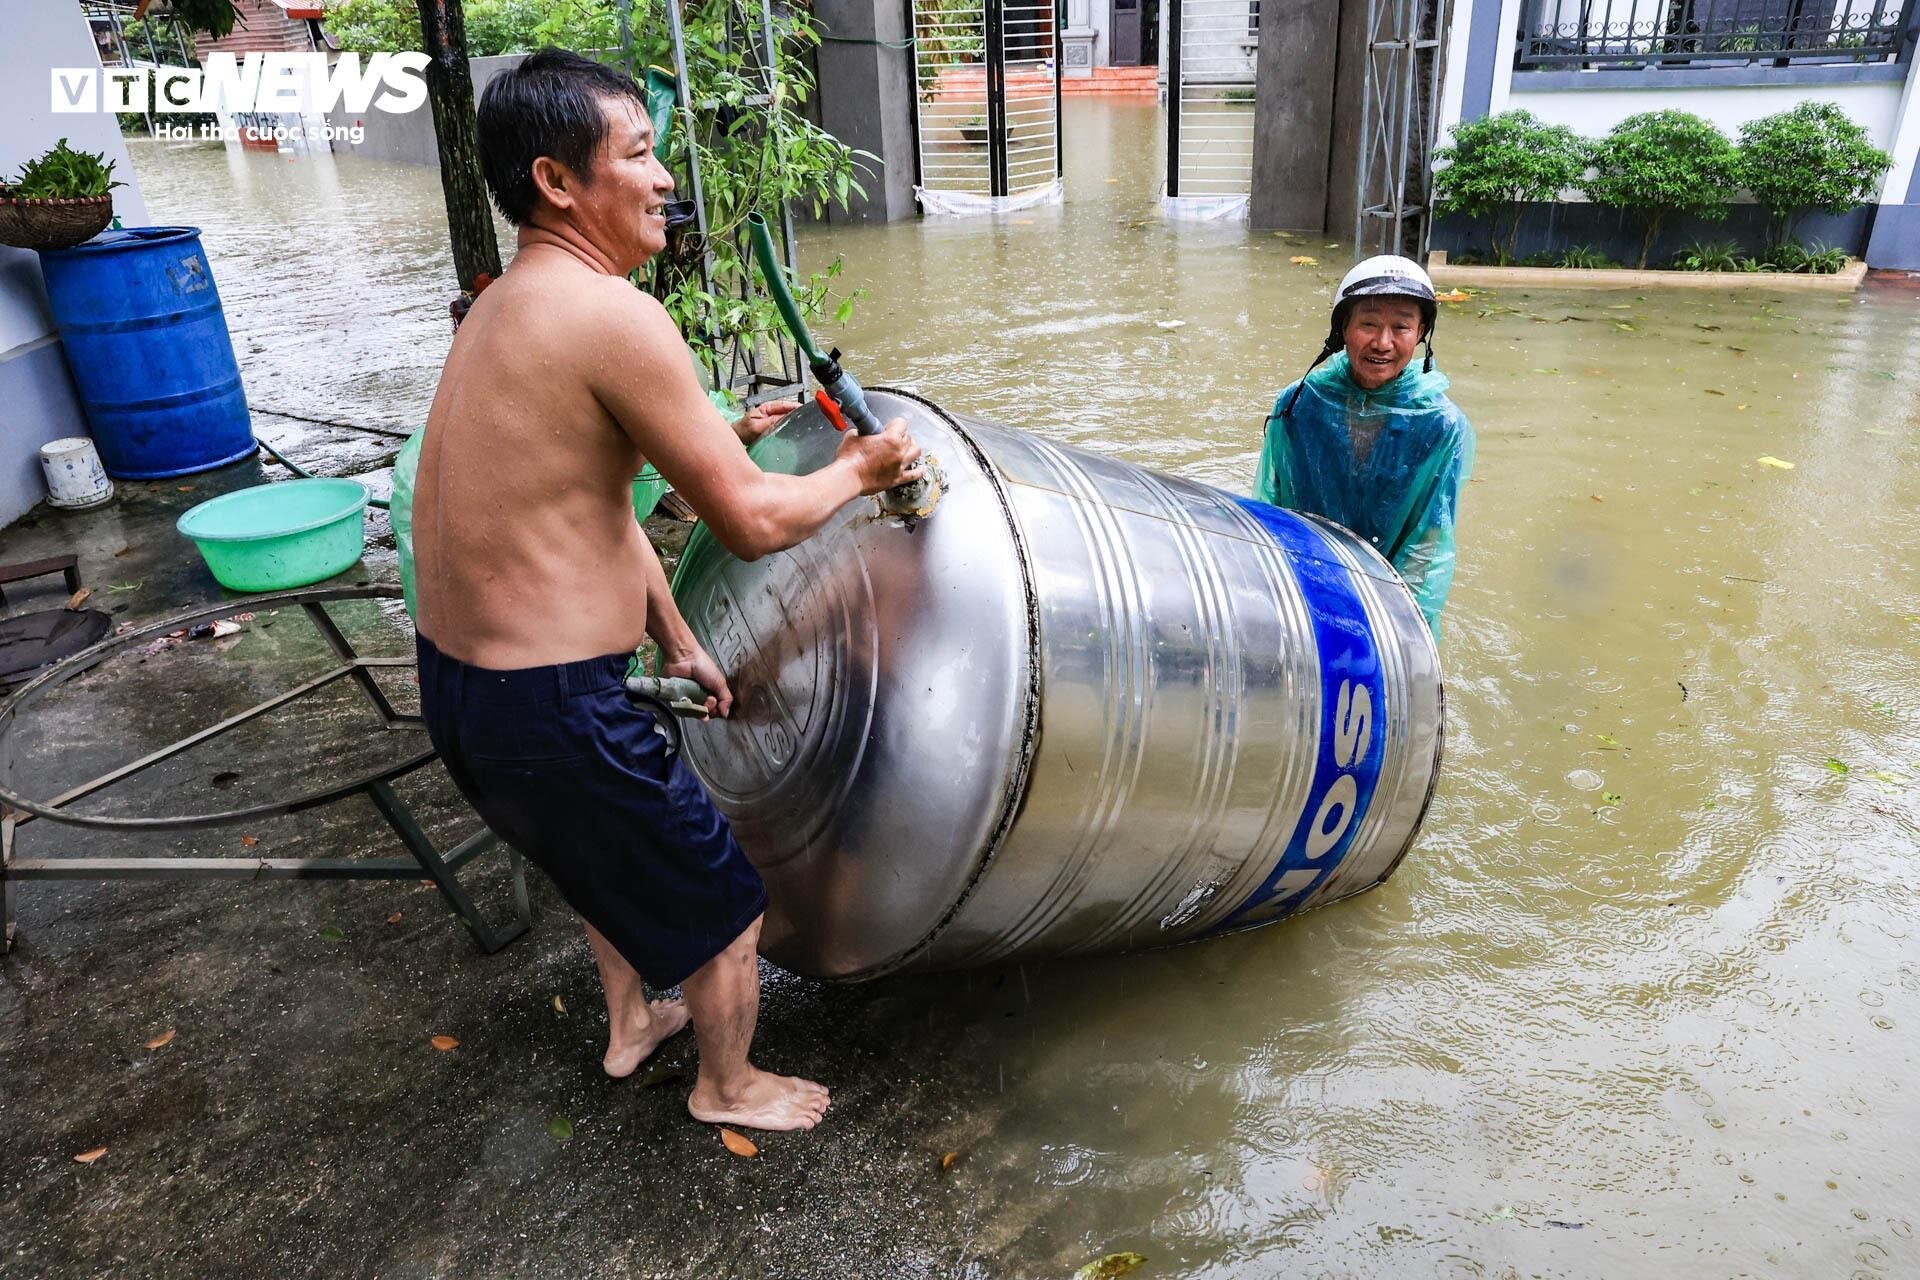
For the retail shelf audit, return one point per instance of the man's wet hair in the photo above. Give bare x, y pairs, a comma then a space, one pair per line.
549, 105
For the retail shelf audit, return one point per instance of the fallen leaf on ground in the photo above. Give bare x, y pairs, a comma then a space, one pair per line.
444, 1043
124, 551
1768, 460
184, 488
1304, 260
395, 917
660, 1073
88, 1157
332, 933
79, 597
249, 841
1452, 295
738, 1144
162, 1040
1837, 766
560, 1006
1111, 1267
559, 1128
946, 1161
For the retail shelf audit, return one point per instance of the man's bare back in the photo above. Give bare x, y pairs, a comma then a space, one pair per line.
525, 547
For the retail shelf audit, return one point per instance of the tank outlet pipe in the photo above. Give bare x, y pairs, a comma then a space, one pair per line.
680, 696
840, 394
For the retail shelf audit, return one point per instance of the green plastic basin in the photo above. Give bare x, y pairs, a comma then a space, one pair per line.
648, 488
276, 536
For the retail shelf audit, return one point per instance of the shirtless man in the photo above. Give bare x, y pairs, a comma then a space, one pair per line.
535, 584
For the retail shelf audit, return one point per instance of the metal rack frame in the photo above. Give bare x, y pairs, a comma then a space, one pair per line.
1393, 184
425, 858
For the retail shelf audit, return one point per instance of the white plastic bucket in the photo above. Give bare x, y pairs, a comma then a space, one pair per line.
75, 478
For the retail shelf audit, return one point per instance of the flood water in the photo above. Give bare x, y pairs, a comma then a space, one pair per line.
1645, 999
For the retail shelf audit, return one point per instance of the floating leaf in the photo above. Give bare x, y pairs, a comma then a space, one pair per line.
1547, 371
1887, 776
1452, 295
1111, 1267
946, 1161
1626, 326
1610, 797
559, 1128
1707, 328
1304, 260
1596, 497
331, 934
1710, 391
559, 1007
88, 1157
162, 1040
444, 1043
1837, 766
1883, 708
738, 1144
1768, 460
1609, 739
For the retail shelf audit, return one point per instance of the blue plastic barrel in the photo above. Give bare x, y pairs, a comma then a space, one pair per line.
150, 352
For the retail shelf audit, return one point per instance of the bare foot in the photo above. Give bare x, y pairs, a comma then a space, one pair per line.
766, 1101
628, 1047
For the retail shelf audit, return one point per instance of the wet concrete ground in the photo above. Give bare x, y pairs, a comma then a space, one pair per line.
300, 1121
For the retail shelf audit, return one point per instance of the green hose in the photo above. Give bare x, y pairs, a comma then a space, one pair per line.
777, 286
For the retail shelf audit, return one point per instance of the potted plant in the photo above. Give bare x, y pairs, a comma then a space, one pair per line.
61, 198
974, 130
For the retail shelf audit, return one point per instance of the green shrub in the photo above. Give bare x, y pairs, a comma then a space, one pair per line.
1584, 257
1718, 255
1496, 165
63, 174
1662, 163
1822, 260
1812, 157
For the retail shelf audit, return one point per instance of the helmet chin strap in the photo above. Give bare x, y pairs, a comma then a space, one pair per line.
1328, 348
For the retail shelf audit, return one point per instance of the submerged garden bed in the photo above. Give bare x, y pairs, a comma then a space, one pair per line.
1445, 272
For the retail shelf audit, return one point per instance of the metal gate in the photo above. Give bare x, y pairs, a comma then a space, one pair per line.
1393, 197
987, 92
1212, 47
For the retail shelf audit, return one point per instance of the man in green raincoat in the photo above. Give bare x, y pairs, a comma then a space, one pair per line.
1371, 441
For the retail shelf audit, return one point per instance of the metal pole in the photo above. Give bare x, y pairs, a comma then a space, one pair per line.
1363, 179
791, 249
1408, 61
684, 92
1175, 26
996, 98
1059, 156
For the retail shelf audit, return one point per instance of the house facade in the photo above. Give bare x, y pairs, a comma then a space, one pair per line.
1589, 64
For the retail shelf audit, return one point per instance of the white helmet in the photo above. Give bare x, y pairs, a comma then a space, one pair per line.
1386, 275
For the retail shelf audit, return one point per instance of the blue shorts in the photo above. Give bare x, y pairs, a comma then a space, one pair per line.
562, 765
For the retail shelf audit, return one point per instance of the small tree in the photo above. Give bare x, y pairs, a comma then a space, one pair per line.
1499, 163
1812, 157
1662, 163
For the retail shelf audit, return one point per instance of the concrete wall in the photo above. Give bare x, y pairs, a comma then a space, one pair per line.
37, 399
1293, 114
1594, 111
865, 96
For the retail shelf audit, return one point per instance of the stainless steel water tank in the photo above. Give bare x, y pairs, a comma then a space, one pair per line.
1081, 707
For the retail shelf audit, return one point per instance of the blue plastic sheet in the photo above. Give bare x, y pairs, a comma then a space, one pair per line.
1403, 496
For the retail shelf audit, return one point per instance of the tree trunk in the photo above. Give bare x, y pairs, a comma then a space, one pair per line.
443, 28
1646, 242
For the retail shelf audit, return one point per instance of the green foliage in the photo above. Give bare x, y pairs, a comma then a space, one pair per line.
1494, 166
63, 174
1662, 163
1582, 257
493, 26
379, 26
215, 17
1717, 255
951, 35
1822, 260
1811, 157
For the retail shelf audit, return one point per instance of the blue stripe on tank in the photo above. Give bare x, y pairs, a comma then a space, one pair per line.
1350, 657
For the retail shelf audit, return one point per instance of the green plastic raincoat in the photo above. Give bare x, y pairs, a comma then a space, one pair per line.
1403, 495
